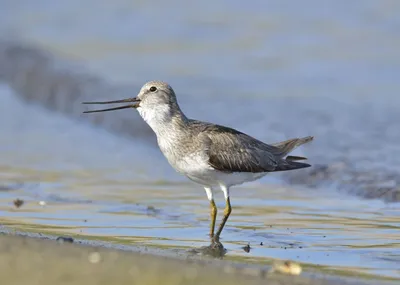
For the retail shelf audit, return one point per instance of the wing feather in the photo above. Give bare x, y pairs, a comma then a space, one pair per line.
229, 150
232, 151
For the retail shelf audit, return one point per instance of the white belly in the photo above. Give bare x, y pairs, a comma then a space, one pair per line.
216, 178
198, 170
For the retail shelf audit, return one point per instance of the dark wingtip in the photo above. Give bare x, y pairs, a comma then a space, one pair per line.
298, 165
307, 139
292, 165
295, 158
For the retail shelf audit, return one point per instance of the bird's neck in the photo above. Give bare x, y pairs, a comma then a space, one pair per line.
164, 120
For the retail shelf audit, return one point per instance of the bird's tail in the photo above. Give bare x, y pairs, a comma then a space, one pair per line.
290, 165
290, 162
295, 158
287, 146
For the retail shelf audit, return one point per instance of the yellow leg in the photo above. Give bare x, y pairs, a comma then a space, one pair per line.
227, 212
213, 217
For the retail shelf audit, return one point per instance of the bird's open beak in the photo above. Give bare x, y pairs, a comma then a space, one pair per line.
135, 104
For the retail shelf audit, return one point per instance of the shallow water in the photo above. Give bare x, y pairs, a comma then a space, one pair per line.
327, 71
98, 188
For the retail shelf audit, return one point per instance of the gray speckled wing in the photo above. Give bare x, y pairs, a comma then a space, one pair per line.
229, 150
232, 151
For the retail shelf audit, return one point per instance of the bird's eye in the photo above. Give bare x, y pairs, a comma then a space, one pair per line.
153, 89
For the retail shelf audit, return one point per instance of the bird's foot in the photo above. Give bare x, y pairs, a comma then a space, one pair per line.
215, 249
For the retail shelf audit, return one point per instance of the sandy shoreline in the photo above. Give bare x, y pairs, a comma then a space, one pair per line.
38, 259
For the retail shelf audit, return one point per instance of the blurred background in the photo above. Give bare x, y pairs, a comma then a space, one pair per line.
272, 69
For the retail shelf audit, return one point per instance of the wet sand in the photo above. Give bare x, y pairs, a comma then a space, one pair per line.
38, 259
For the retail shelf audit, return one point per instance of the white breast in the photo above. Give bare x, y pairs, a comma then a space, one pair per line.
154, 117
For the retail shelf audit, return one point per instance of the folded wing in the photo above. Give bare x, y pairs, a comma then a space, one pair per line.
232, 151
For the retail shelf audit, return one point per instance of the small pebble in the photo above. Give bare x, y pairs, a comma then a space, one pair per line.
287, 267
247, 248
65, 239
18, 203
94, 257
42, 203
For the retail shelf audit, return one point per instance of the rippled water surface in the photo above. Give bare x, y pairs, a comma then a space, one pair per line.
274, 71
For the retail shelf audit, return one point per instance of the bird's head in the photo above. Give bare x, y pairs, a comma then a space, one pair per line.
156, 103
